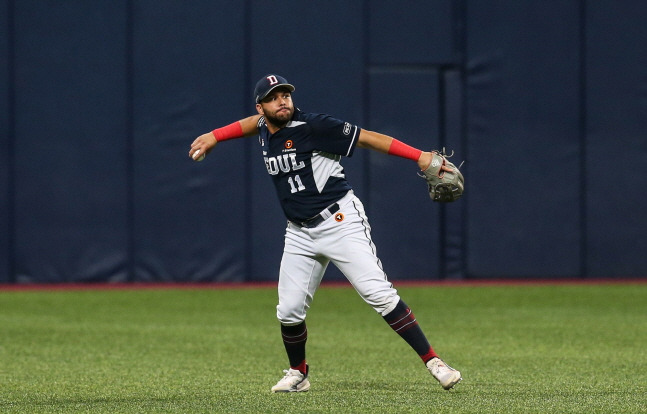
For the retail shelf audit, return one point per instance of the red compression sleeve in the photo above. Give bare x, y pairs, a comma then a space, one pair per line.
233, 130
403, 150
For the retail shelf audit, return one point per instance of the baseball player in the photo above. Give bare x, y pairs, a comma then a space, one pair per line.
326, 221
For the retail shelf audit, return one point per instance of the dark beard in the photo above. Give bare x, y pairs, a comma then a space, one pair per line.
279, 121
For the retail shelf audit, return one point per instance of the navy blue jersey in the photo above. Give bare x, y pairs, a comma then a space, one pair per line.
303, 159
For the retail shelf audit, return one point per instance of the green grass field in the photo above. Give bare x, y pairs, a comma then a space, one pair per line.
521, 349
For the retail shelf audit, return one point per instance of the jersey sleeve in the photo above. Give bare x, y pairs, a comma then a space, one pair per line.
333, 135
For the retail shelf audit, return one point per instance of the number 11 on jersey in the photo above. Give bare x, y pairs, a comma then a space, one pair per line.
299, 184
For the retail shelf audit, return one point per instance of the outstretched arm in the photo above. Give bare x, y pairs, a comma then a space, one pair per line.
434, 165
206, 142
389, 145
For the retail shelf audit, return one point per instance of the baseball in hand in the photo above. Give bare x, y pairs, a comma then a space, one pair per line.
197, 156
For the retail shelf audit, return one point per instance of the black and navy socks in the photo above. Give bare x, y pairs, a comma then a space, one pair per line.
404, 323
294, 340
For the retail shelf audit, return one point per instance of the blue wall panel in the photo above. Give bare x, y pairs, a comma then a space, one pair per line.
188, 217
616, 138
404, 219
100, 102
5, 147
415, 32
451, 135
523, 139
319, 49
70, 150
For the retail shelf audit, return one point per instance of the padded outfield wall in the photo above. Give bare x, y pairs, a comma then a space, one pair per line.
99, 101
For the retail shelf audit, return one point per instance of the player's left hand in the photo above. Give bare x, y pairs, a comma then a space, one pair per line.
445, 182
201, 146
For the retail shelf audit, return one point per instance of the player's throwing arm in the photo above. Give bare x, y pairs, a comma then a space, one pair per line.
203, 144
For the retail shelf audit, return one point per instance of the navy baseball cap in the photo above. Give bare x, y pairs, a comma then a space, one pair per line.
267, 84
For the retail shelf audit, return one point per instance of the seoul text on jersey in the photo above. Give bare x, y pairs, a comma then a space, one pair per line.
285, 163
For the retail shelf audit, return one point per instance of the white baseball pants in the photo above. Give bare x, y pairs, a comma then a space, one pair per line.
343, 239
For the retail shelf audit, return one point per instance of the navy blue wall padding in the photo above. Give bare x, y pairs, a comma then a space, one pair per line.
523, 200
188, 218
616, 136
422, 32
99, 102
404, 219
451, 134
69, 146
5, 149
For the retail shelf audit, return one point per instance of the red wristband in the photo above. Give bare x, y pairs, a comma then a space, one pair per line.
234, 130
403, 150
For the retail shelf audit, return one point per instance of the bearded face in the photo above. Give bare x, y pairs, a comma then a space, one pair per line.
277, 107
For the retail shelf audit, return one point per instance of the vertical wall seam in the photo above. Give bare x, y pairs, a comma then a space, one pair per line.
582, 141
442, 140
247, 148
461, 22
366, 94
130, 150
11, 138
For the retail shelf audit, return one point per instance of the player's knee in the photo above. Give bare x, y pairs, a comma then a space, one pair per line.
289, 315
383, 301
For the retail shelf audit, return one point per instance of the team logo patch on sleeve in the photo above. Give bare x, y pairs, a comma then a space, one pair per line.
339, 217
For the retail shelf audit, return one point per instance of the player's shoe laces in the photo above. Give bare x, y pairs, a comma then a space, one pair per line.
293, 381
446, 375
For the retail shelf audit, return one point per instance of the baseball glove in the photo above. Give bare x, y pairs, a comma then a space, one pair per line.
444, 186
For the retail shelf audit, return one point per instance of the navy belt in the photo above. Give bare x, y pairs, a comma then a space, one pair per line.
319, 218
